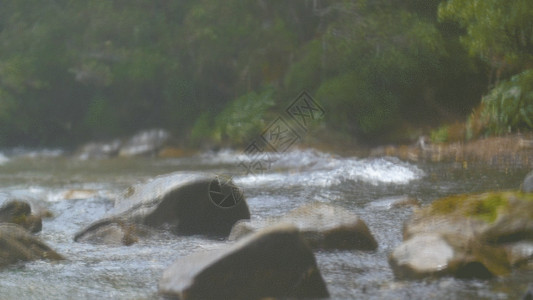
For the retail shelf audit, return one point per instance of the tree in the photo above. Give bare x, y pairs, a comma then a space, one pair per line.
499, 31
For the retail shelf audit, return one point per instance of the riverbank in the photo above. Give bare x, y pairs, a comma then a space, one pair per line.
513, 150
510, 151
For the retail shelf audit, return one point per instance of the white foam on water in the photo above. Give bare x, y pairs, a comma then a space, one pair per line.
46, 194
3, 159
224, 156
311, 168
33, 153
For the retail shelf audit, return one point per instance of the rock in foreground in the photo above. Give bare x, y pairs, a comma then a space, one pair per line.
19, 245
467, 236
323, 226
19, 212
271, 263
183, 204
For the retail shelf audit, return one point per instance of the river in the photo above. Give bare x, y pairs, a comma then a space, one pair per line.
78, 192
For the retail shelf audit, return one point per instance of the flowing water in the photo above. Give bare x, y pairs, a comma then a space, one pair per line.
78, 192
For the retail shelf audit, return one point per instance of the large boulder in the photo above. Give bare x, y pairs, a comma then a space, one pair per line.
19, 212
184, 204
272, 263
434, 255
147, 142
323, 226
479, 235
17, 245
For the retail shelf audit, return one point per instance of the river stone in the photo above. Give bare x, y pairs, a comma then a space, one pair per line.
394, 202
529, 293
19, 212
111, 232
514, 225
422, 255
180, 203
489, 233
527, 185
146, 142
323, 226
433, 255
275, 262
99, 150
17, 244
520, 253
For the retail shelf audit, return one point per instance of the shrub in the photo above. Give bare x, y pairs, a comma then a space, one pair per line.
509, 106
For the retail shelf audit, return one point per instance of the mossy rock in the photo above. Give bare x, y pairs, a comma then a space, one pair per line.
482, 229
486, 206
17, 244
19, 212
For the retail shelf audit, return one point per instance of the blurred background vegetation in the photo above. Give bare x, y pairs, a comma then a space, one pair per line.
217, 71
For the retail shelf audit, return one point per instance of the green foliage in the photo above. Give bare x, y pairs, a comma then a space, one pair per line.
439, 135
355, 106
100, 119
496, 30
202, 129
509, 106
77, 70
243, 118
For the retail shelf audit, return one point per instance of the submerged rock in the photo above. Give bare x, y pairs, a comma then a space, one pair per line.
112, 232
322, 226
147, 142
19, 212
184, 204
19, 245
394, 202
270, 263
527, 185
487, 233
99, 150
529, 293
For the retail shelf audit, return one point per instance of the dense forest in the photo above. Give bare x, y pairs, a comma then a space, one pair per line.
206, 70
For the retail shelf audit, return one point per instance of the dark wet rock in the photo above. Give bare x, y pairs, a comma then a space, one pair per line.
271, 263
19, 212
488, 233
183, 204
99, 149
147, 142
17, 244
323, 226
529, 293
